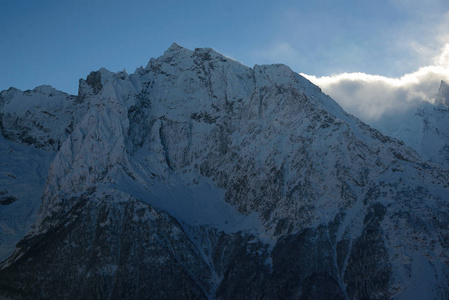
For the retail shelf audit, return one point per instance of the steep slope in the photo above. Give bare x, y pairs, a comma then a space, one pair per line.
33, 125
23, 173
424, 129
198, 177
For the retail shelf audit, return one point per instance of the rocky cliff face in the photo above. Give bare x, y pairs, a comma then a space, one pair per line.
198, 177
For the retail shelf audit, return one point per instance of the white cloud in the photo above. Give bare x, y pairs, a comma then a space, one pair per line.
371, 97
443, 59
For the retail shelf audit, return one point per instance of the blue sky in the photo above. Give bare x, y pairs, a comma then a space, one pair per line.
58, 42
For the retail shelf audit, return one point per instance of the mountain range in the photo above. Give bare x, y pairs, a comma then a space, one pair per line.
198, 177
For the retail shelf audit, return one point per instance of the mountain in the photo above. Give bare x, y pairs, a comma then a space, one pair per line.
198, 177
425, 129
442, 97
33, 125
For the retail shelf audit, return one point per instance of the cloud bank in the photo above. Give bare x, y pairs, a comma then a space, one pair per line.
398, 37
372, 97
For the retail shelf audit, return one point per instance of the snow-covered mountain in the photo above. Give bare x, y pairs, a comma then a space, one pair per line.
425, 129
33, 126
199, 177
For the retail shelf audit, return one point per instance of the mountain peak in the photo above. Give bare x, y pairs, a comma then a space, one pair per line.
175, 47
11, 90
442, 97
47, 90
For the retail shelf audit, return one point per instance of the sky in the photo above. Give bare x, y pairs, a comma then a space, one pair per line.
351, 49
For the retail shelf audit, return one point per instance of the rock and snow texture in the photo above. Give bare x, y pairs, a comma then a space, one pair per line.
23, 173
425, 129
43, 117
33, 125
198, 177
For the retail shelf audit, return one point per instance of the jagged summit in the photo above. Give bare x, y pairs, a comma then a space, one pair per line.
442, 97
175, 47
